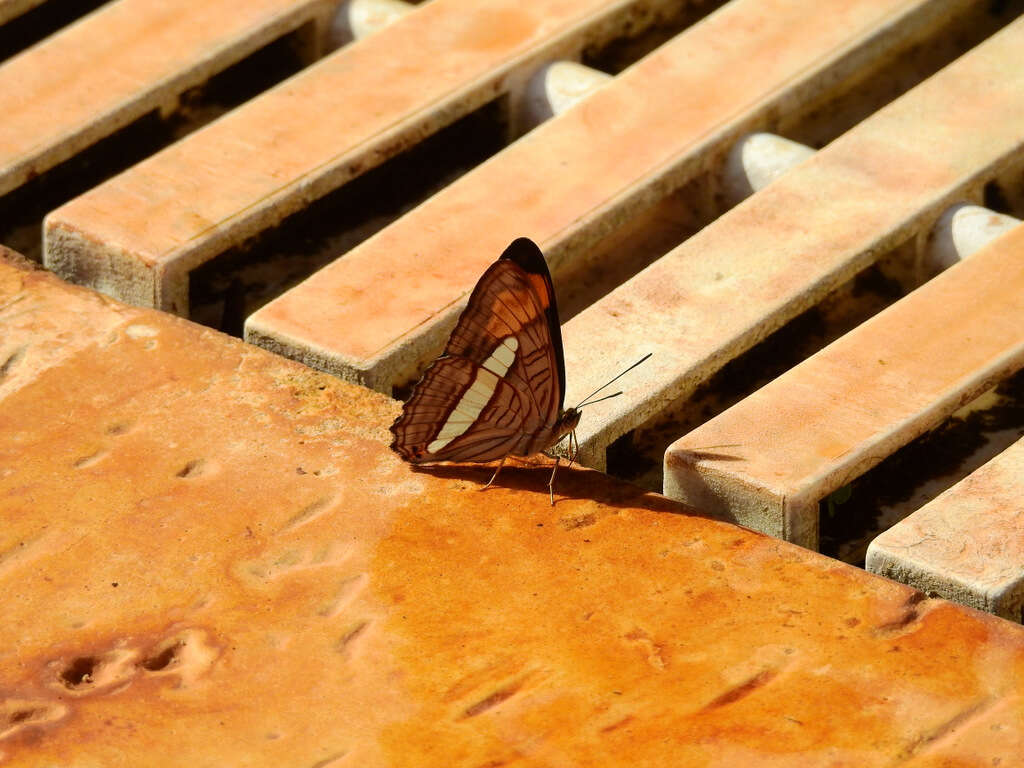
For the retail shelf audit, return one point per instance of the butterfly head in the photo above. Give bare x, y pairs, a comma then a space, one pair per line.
568, 421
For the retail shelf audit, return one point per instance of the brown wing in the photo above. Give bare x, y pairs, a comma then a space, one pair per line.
498, 387
499, 306
437, 404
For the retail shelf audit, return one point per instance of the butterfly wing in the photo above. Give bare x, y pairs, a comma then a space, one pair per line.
451, 418
509, 301
498, 387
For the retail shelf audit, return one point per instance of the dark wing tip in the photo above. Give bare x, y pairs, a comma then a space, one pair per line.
524, 252
401, 450
527, 255
414, 454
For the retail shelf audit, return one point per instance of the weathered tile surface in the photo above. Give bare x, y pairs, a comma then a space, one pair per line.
210, 557
843, 410
588, 171
968, 543
128, 58
139, 235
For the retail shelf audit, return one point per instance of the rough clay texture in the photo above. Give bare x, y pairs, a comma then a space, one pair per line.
209, 557
589, 174
968, 543
338, 118
98, 75
873, 189
843, 410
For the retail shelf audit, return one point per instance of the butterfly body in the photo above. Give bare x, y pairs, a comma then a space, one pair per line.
497, 390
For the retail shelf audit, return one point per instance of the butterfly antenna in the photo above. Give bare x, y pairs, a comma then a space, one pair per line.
599, 400
612, 381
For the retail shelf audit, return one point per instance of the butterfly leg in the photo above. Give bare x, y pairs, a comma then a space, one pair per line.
495, 475
551, 482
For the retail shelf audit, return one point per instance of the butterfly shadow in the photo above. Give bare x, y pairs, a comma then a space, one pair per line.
571, 484
521, 476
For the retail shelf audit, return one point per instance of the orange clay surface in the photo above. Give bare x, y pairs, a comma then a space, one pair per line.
209, 556
128, 58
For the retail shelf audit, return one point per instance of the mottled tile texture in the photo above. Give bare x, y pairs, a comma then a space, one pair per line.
209, 557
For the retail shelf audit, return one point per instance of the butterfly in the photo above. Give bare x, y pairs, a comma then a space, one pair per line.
497, 390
